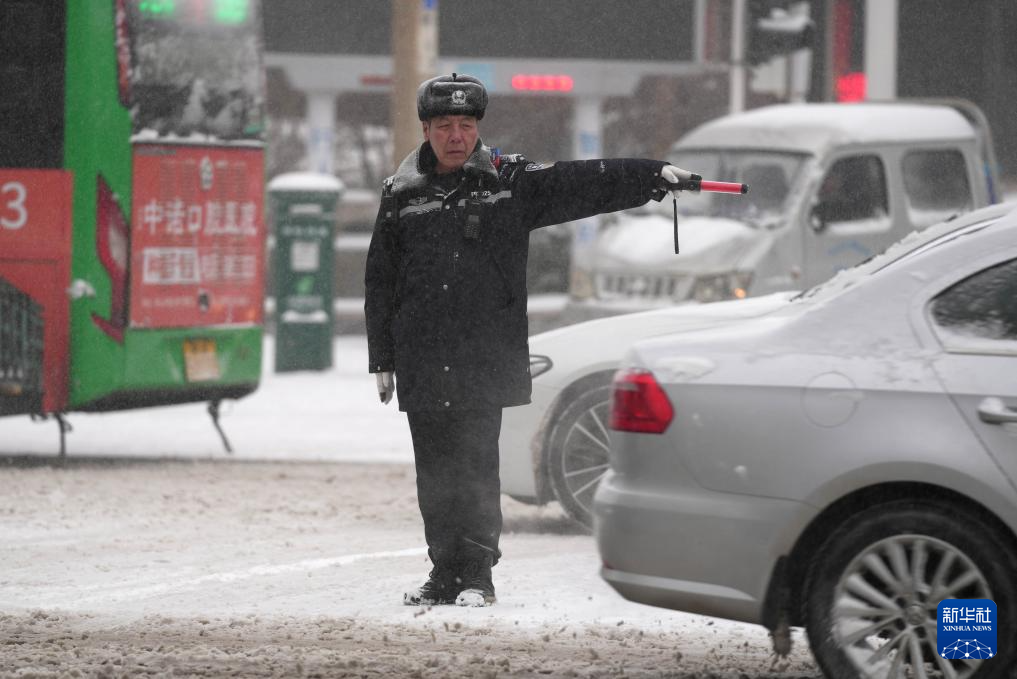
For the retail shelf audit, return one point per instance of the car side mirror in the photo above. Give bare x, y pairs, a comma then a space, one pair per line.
817, 220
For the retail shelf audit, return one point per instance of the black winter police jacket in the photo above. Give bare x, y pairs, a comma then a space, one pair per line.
446, 270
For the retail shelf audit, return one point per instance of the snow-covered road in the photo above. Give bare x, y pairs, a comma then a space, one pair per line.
290, 569
289, 557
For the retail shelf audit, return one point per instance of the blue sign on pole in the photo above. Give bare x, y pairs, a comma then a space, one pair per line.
484, 72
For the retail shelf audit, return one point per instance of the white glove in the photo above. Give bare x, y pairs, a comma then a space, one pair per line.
386, 385
672, 174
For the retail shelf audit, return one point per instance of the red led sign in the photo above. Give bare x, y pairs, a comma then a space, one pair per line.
851, 87
542, 83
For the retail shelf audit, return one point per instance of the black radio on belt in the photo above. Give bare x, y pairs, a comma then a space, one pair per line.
471, 219
389, 209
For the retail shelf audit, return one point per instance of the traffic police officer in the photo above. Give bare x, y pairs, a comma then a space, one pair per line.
446, 311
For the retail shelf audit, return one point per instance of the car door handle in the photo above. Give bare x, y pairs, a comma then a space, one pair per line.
994, 411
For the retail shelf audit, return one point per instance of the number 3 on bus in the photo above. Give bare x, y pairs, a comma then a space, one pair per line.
14, 205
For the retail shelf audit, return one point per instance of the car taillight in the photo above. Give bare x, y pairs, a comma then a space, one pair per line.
638, 404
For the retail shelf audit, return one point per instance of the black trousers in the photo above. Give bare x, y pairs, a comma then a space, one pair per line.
458, 487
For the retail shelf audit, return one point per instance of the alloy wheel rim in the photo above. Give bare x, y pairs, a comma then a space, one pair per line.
584, 460
885, 610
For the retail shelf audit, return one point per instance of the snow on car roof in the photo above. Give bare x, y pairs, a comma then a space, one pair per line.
814, 128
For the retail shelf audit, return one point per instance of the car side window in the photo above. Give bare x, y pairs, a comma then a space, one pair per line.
853, 189
981, 308
936, 185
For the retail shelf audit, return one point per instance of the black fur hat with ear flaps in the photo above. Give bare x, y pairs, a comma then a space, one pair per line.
451, 95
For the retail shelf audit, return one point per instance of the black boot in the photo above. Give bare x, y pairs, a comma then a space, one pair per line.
477, 588
441, 588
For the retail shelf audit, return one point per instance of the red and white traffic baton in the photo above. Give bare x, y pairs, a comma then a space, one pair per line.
697, 183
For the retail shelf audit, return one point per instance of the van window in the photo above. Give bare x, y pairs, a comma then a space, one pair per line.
771, 176
936, 185
854, 189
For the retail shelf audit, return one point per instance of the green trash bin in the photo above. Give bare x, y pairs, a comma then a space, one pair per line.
303, 218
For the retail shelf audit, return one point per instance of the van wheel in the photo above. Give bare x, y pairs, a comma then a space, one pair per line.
873, 591
578, 455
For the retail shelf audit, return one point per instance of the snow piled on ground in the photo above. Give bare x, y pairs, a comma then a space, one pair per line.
329, 415
210, 568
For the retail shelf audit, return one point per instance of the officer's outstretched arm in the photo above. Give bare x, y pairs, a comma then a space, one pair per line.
576, 189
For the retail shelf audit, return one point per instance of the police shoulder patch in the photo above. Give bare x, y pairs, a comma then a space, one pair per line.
513, 158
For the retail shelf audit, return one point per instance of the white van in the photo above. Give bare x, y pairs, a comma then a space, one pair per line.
829, 186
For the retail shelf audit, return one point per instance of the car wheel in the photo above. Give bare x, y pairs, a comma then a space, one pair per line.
872, 593
578, 454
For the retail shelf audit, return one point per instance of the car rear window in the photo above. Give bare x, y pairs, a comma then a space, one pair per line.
980, 307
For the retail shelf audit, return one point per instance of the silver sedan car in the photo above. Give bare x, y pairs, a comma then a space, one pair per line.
843, 463
556, 446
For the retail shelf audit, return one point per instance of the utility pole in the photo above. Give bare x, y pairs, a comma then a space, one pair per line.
414, 59
738, 21
881, 49
829, 76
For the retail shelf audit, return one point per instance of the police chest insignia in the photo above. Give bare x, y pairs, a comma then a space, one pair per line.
530, 167
459, 98
418, 200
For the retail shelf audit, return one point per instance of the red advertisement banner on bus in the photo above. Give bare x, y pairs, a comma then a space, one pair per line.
197, 237
35, 257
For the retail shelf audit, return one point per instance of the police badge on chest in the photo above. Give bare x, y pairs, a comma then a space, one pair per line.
473, 214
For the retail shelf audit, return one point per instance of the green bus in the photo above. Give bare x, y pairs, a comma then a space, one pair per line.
132, 232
